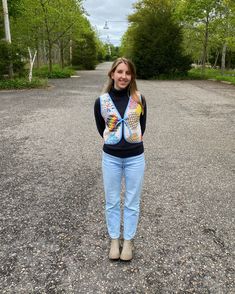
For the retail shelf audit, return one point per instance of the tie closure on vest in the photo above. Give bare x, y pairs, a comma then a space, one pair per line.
124, 120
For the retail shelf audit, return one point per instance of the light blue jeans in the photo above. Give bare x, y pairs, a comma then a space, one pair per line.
132, 169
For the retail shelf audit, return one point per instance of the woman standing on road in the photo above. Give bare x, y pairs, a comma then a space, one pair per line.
120, 115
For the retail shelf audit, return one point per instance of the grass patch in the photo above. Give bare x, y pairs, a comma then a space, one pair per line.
22, 83
172, 76
57, 72
197, 74
228, 76
40, 78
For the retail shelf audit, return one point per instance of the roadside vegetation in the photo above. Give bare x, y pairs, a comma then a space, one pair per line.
22, 83
213, 74
56, 73
53, 39
165, 37
49, 39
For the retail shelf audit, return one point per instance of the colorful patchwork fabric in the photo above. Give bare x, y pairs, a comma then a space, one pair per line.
116, 126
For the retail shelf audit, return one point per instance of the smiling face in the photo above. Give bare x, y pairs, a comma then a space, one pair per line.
121, 76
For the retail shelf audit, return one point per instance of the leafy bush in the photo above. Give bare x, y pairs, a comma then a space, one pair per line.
85, 52
173, 76
22, 83
57, 72
11, 53
215, 74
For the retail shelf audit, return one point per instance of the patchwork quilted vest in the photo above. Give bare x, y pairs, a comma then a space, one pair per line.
116, 126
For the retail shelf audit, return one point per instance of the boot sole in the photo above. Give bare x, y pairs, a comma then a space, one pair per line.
125, 260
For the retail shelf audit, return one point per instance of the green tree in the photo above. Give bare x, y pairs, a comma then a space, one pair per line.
127, 42
225, 28
208, 27
101, 51
56, 28
85, 50
11, 55
47, 24
199, 15
58, 19
154, 40
14, 7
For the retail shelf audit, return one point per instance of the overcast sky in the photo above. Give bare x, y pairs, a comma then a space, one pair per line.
111, 11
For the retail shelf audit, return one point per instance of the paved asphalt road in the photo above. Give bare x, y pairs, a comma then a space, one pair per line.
53, 235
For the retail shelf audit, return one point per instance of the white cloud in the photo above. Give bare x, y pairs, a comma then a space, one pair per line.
114, 12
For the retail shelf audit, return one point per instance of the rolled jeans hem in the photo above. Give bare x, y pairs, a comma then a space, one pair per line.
113, 238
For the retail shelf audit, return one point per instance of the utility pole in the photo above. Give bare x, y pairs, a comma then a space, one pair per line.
6, 21
7, 30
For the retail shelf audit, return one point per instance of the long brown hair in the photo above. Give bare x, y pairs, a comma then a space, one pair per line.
132, 88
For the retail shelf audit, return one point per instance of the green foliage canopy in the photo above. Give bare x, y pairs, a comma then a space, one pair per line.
51, 26
10, 53
154, 40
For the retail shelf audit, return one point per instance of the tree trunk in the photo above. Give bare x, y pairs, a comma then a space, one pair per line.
229, 59
50, 56
62, 53
204, 54
45, 54
31, 61
224, 49
70, 52
48, 35
38, 59
216, 59
7, 32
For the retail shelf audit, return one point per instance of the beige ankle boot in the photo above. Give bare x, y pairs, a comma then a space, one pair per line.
127, 250
114, 252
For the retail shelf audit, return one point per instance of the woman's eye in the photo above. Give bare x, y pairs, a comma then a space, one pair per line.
121, 72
